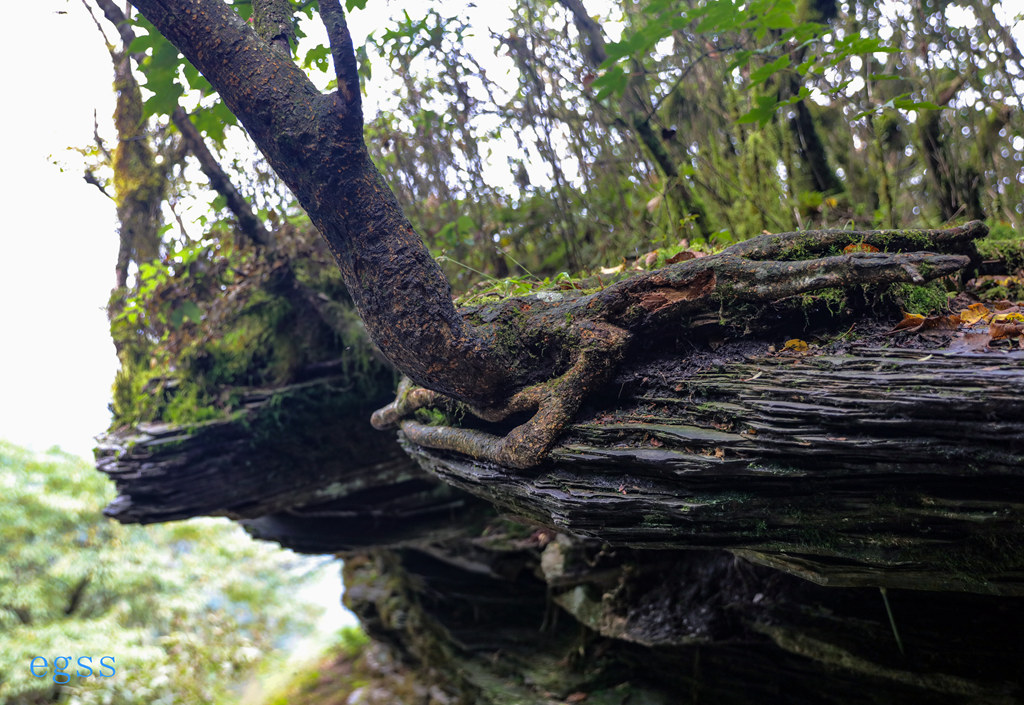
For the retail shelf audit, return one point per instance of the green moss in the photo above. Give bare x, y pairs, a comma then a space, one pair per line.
834, 299
190, 406
432, 417
213, 320
924, 300
1004, 245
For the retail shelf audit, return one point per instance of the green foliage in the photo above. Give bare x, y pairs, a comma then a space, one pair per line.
351, 641
775, 114
184, 609
768, 34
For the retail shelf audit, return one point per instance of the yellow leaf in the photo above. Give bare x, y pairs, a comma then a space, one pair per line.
796, 345
1014, 317
974, 313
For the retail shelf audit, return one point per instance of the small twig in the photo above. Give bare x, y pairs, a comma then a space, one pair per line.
90, 178
892, 621
100, 144
517, 262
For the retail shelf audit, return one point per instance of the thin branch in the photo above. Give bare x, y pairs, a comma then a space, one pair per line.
343, 53
90, 178
77, 593
106, 40
100, 144
248, 222
589, 28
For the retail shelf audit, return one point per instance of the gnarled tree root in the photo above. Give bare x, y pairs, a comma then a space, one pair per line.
597, 328
555, 402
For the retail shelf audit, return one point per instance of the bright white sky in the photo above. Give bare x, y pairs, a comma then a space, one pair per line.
58, 241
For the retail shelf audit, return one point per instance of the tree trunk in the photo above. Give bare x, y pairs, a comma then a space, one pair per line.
315, 144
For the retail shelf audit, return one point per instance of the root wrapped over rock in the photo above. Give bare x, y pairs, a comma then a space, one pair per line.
575, 344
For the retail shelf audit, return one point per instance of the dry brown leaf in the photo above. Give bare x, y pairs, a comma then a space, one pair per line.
973, 342
910, 321
1001, 329
576, 697
680, 257
916, 323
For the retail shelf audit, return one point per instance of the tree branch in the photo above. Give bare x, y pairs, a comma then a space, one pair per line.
638, 113
77, 593
315, 144
248, 222
343, 54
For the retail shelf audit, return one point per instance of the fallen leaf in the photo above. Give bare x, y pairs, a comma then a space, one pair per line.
576, 697
1011, 317
1006, 329
910, 321
916, 323
974, 313
680, 257
751, 379
974, 342
860, 247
